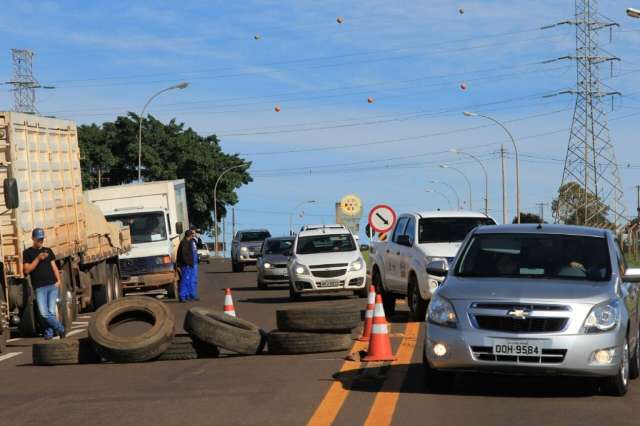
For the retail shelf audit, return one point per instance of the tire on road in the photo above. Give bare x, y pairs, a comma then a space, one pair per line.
224, 331
185, 347
139, 348
285, 342
56, 352
318, 319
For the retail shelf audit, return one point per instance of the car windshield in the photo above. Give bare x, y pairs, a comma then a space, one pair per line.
145, 227
448, 229
277, 246
564, 257
254, 236
325, 244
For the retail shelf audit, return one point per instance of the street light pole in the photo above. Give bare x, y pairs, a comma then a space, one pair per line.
451, 188
633, 13
296, 209
446, 166
180, 86
486, 177
441, 194
215, 203
515, 149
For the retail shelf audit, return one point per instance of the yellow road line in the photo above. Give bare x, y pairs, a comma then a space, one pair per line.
384, 405
332, 402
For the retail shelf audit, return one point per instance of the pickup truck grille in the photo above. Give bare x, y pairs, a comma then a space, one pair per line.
517, 325
329, 274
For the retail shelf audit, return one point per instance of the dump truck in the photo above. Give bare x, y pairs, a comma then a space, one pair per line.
42, 185
157, 215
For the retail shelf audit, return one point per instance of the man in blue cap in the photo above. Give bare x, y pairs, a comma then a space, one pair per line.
185, 263
39, 263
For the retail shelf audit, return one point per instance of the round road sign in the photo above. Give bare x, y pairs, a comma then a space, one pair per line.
382, 218
351, 205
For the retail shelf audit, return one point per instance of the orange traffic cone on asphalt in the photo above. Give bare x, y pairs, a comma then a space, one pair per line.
368, 316
379, 343
228, 303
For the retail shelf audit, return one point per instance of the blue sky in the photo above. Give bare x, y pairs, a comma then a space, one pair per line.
327, 140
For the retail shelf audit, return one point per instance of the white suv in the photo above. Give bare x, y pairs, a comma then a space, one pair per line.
326, 258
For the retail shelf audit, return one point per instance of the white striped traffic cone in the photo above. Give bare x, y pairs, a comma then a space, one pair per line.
379, 343
228, 303
368, 316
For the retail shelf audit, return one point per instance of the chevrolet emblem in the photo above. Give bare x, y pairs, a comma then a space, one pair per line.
519, 313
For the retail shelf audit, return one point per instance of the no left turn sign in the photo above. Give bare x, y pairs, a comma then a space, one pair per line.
382, 218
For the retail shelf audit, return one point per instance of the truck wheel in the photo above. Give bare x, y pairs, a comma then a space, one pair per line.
4, 332
116, 289
618, 385
388, 299
67, 306
417, 305
100, 295
140, 348
28, 326
225, 331
284, 342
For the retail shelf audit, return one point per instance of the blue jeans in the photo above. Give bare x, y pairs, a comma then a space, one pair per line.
186, 281
47, 302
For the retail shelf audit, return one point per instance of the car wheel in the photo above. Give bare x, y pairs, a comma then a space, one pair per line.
417, 305
261, 284
436, 381
388, 299
618, 385
362, 293
634, 361
240, 267
293, 295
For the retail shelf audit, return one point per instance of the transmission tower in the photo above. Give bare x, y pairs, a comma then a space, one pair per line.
591, 189
24, 84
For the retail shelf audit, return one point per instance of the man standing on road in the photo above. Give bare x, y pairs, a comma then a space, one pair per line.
194, 276
39, 263
185, 263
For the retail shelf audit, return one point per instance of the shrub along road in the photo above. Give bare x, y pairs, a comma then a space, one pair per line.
287, 389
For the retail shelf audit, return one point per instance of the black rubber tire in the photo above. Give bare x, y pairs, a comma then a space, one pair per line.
100, 295
617, 385
224, 331
417, 305
67, 306
5, 333
634, 360
388, 299
294, 296
437, 381
172, 289
363, 293
65, 352
184, 347
285, 343
29, 325
334, 320
144, 347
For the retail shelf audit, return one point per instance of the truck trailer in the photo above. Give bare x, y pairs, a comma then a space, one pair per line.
157, 214
40, 172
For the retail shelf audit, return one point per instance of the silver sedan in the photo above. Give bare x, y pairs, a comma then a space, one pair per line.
272, 261
535, 299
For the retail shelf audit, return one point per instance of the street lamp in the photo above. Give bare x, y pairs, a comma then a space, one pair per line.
486, 177
451, 188
633, 13
296, 209
446, 166
215, 202
179, 86
515, 149
439, 193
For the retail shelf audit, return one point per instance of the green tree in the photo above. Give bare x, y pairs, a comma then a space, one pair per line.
169, 151
569, 207
528, 218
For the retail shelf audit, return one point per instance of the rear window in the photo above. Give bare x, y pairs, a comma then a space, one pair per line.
325, 244
535, 256
448, 229
254, 236
277, 246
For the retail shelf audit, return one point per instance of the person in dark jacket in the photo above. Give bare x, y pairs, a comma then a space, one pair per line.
185, 262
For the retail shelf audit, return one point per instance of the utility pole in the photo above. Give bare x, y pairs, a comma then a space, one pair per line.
504, 187
541, 207
233, 222
591, 186
224, 237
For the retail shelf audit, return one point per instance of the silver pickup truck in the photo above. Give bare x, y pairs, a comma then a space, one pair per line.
246, 247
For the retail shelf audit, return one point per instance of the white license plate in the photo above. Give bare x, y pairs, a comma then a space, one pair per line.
516, 347
324, 284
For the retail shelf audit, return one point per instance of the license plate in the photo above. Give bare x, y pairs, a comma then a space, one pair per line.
324, 284
516, 347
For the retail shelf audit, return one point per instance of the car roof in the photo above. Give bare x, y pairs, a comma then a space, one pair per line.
252, 230
544, 228
323, 230
281, 238
446, 213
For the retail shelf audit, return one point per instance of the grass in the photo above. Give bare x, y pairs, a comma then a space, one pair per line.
631, 262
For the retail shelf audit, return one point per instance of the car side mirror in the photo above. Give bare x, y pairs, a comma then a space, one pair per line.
11, 195
364, 247
404, 240
179, 228
438, 268
631, 275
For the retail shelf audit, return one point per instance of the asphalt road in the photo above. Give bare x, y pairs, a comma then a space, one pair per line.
269, 389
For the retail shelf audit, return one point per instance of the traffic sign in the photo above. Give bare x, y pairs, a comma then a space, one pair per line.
382, 218
351, 205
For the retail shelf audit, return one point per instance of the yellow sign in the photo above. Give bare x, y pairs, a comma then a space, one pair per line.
351, 205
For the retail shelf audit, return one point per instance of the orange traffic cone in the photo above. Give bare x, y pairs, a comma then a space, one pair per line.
228, 303
368, 316
379, 343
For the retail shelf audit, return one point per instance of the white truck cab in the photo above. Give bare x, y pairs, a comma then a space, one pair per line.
326, 258
399, 265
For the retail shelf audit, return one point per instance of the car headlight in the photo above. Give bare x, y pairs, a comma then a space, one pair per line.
357, 265
243, 248
300, 269
603, 317
163, 260
267, 265
441, 312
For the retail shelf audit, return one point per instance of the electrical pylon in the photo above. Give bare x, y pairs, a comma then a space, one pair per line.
591, 191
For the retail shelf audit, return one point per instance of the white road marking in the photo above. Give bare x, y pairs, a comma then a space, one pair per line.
15, 339
81, 323
84, 316
9, 355
72, 332
77, 327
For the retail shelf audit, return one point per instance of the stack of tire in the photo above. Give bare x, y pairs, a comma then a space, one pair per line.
315, 330
158, 343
